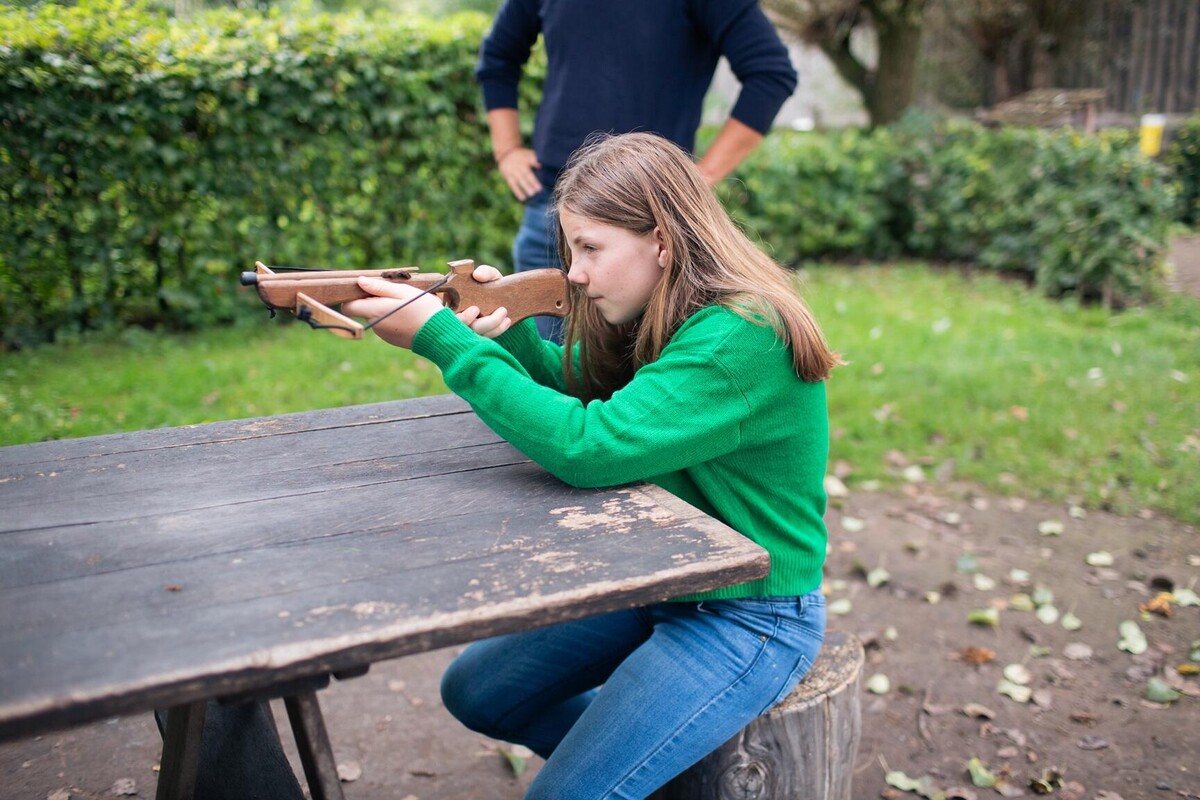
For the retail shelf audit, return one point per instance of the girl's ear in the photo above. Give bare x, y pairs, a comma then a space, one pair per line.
661, 241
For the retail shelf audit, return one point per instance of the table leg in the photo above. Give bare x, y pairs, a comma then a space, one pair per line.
181, 752
312, 742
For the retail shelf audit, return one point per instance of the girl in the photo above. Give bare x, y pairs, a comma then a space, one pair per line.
690, 362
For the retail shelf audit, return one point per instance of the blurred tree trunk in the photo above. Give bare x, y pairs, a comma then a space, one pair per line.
1021, 41
889, 86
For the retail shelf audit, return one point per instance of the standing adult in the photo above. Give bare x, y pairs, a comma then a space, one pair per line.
617, 66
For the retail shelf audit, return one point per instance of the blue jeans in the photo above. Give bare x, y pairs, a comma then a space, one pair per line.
679, 680
536, 248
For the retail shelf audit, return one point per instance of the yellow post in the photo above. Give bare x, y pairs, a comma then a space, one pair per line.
1152, 134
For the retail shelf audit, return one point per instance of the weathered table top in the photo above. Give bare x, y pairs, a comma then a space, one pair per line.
162, 567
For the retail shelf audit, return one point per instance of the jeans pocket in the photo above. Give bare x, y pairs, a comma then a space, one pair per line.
797, 675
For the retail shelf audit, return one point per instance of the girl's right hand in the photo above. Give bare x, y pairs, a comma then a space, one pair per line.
493, 324
517, 166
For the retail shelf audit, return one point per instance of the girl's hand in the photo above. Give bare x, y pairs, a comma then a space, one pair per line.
401, 327
517, 166
493, 324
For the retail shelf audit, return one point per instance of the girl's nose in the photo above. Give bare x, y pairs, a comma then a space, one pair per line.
576, 275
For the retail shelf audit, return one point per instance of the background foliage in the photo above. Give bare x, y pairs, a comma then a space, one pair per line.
1077, 214
144, 162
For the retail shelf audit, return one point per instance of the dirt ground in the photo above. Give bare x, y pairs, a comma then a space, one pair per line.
946, 551
1089, 718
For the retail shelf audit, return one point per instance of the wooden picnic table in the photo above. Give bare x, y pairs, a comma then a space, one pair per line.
162, 568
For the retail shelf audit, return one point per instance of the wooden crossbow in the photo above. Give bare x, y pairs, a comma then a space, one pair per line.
309, 293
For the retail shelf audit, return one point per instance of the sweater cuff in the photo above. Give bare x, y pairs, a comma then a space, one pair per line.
444, 339
757, 108
498, 94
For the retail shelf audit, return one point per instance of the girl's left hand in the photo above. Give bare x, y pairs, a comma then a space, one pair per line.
400, 328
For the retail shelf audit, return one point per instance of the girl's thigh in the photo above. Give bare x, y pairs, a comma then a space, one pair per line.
530, 687
707, 670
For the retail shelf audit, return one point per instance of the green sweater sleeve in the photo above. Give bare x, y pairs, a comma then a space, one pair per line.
683, 409
540, 358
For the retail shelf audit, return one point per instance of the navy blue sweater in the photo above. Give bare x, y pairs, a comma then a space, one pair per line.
624, 65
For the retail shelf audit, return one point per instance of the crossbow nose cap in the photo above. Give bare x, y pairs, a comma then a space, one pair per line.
249, 278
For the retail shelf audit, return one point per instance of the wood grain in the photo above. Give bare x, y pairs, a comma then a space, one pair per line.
165, 567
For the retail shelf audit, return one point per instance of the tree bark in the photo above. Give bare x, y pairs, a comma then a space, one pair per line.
803, 748
894, 83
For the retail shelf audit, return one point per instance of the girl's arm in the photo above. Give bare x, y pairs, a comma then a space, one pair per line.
684, 409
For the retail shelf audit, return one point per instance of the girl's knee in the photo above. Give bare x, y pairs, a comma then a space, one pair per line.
468, 694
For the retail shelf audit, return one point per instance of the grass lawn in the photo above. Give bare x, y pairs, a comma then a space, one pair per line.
964, 376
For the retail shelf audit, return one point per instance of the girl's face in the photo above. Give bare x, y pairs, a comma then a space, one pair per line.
616, 268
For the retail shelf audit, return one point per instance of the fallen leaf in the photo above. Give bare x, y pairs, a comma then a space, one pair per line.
1047, 783
1160, 604
976, 711
1132, 639
878, 684
924, 786
1071, 622
878, 577
1019, 693
59, 794
976, 655
124, 787
840, 606
1100, 558
1158, 691
1047, 614
516, 758
1042, 595
834, 487
1078, 651
1021, 602
983, 583
853, 524
1092, 743
1083, 717
1018, 674
1050, 527
1186, 597
981, 776
983, 616
1007, 788
349, 771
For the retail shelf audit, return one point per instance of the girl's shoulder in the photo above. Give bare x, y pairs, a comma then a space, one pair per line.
741, 326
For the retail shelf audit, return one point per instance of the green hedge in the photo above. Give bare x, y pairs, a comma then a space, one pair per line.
1183, 158
145, 163
1077, 214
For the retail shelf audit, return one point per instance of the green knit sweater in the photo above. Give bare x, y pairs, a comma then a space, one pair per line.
719, 420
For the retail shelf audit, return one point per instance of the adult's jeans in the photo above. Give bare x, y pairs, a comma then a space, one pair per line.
536, 248
620, 703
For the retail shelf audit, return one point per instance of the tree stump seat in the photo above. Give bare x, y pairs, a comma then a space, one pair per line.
802, 749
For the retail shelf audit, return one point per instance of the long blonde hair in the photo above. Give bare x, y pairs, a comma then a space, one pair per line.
639, 182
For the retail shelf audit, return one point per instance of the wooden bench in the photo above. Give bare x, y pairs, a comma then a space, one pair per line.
802, 749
